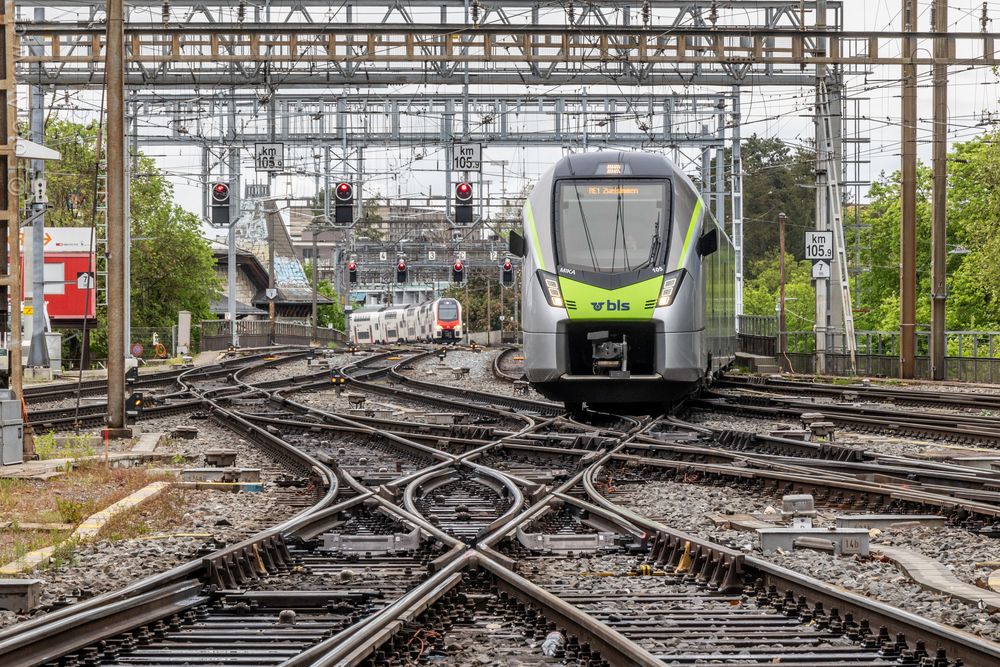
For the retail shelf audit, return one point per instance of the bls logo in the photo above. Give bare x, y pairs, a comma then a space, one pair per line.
610, 305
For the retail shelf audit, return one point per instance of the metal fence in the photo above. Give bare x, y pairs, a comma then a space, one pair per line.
217, 334
152, 343
972, 356
758, 335
961, 344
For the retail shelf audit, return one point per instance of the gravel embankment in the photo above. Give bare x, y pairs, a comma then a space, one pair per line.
903, 385
211, 519
210, 436
822, 401
401, 409
684, 506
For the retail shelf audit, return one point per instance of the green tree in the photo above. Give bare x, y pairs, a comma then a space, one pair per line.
476, 305
172, 266
973, 241
71, 180
774, 179
330, 315
761, 295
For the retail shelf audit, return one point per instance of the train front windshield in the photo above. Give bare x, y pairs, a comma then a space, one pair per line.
609, 226
448, 311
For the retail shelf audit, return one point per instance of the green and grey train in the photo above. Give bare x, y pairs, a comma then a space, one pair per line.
628, 283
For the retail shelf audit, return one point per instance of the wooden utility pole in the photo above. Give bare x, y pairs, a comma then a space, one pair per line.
10, 255
116, 217
315, 284
270, 215
908, 204
939, 220
781, 294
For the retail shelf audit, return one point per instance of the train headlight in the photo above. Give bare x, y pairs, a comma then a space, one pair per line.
550, 287
671, 284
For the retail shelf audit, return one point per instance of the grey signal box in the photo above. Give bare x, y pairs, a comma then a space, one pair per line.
11, 429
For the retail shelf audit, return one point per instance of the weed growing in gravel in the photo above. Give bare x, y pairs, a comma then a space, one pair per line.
48, 446
71, 511
160, 513
64, 554
15, 543
9, 489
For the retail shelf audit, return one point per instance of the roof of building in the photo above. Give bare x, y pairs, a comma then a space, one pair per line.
220, 306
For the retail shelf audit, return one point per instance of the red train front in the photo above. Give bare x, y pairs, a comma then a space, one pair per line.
448, 321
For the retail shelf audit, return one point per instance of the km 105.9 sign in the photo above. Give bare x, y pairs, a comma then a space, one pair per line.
819, 245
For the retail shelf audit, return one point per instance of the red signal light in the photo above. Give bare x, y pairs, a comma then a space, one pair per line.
463, 191
459, 266
401, 266
353, 266
507, 265
344, 191
220, 192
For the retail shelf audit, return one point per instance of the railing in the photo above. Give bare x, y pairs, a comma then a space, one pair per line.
217, 334
972, 356
963, 344
758, 334
145, 338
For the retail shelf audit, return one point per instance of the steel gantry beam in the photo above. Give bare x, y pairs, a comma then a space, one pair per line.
371, 43
611, 50
579, 121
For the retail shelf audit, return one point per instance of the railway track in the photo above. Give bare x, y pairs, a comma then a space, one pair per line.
429, 543
944, 427
508, 366
170, 396
855, 391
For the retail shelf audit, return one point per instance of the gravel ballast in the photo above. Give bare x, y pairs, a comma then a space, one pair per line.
480, 378
684, 507
871, 442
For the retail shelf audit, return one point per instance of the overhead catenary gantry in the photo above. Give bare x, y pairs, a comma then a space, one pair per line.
505, 119
364, 45
371, 43
646, 45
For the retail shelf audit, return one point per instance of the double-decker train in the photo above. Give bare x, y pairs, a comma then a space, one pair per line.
628, 285
438, 321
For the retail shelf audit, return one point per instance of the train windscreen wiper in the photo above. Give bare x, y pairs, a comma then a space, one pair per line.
654, 250
620, 222
586, 229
